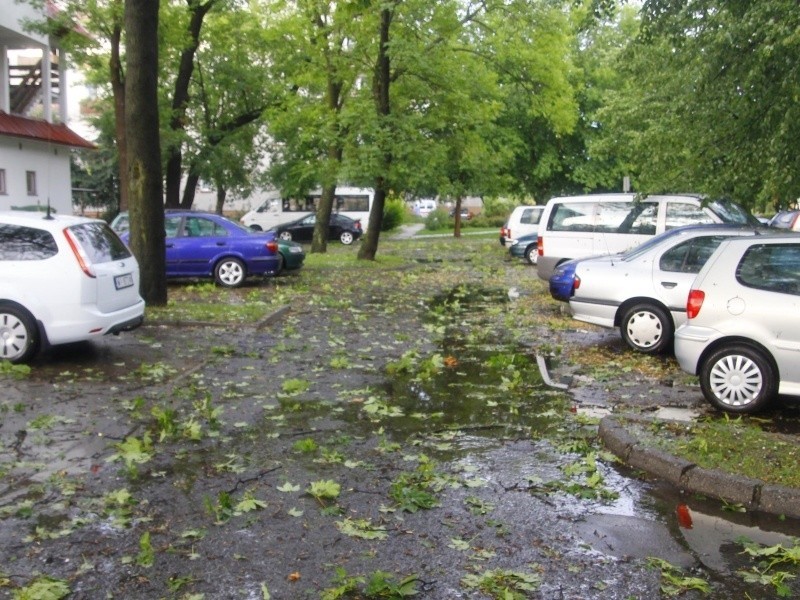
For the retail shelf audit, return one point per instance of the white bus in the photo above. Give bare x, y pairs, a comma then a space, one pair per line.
350, 201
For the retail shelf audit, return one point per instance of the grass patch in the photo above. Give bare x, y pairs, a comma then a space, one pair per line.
739, 445
465, 230
208, 313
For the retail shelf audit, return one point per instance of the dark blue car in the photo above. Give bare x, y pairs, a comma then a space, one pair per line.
525, 247
563, 281
200, 244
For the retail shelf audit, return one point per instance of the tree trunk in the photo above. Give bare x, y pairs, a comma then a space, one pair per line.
381, 87
180, 100
190, 188
222, 191
457, 217
319, 242
143, 145
118, 92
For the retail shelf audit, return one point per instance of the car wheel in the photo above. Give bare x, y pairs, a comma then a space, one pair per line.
256, 227
229, 272
738, 379
18, 334
532, 254
646, 328
285, 235
347, 238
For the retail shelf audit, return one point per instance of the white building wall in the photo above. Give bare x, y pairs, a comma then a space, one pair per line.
14, 14
51, 165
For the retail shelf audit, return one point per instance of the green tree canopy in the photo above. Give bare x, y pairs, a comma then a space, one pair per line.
710, 100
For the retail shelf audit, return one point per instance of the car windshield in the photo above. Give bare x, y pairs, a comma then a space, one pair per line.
651, 243
730, 212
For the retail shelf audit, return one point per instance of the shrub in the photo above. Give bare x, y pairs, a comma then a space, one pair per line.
482, 220
394, 213
438, 219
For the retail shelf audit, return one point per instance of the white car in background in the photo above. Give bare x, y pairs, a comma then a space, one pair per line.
643, 291
742, 336
64, 279
523, 221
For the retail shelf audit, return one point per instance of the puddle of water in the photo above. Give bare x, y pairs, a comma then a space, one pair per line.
715, 540
625, 536
490, 393
478, 383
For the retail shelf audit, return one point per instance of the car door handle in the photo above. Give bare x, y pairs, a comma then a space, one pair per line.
170, 245
221, 244
669, 284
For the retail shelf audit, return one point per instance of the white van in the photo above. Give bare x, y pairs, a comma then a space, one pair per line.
352, 202
524, 220
596, 224
424, 207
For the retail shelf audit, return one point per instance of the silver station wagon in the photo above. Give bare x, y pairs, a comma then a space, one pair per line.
643, 291
742, 336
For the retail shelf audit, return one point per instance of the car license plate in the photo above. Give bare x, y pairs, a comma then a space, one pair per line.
123, 281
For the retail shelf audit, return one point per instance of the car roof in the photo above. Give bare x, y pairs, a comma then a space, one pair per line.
706, 228
181, 211
778, 237
42, 220
618, 196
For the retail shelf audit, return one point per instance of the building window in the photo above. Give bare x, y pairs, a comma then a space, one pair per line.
3, 190
30, 178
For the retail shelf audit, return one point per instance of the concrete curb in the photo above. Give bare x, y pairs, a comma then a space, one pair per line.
751, 493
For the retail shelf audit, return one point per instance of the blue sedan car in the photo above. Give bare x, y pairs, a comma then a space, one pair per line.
200, 244
563, 282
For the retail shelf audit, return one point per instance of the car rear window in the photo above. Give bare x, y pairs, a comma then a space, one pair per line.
18, 242
99, 242
773, 267
531, 216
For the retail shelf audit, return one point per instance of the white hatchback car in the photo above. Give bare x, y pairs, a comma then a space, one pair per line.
742, 337
65, 279
643, 291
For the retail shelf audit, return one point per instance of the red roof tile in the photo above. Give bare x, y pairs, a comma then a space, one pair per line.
35, 129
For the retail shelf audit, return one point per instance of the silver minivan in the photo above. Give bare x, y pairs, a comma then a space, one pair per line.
742, 336
601, 224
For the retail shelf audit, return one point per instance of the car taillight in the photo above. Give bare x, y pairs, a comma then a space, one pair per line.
272, 246
540, 246
358, 225
694, 303
83, 260
576, 283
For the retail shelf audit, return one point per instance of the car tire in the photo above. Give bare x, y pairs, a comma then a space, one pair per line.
281, 264
285, 235
646, 328
532, 254
256, 227
738, 379
19, 338
230, 272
